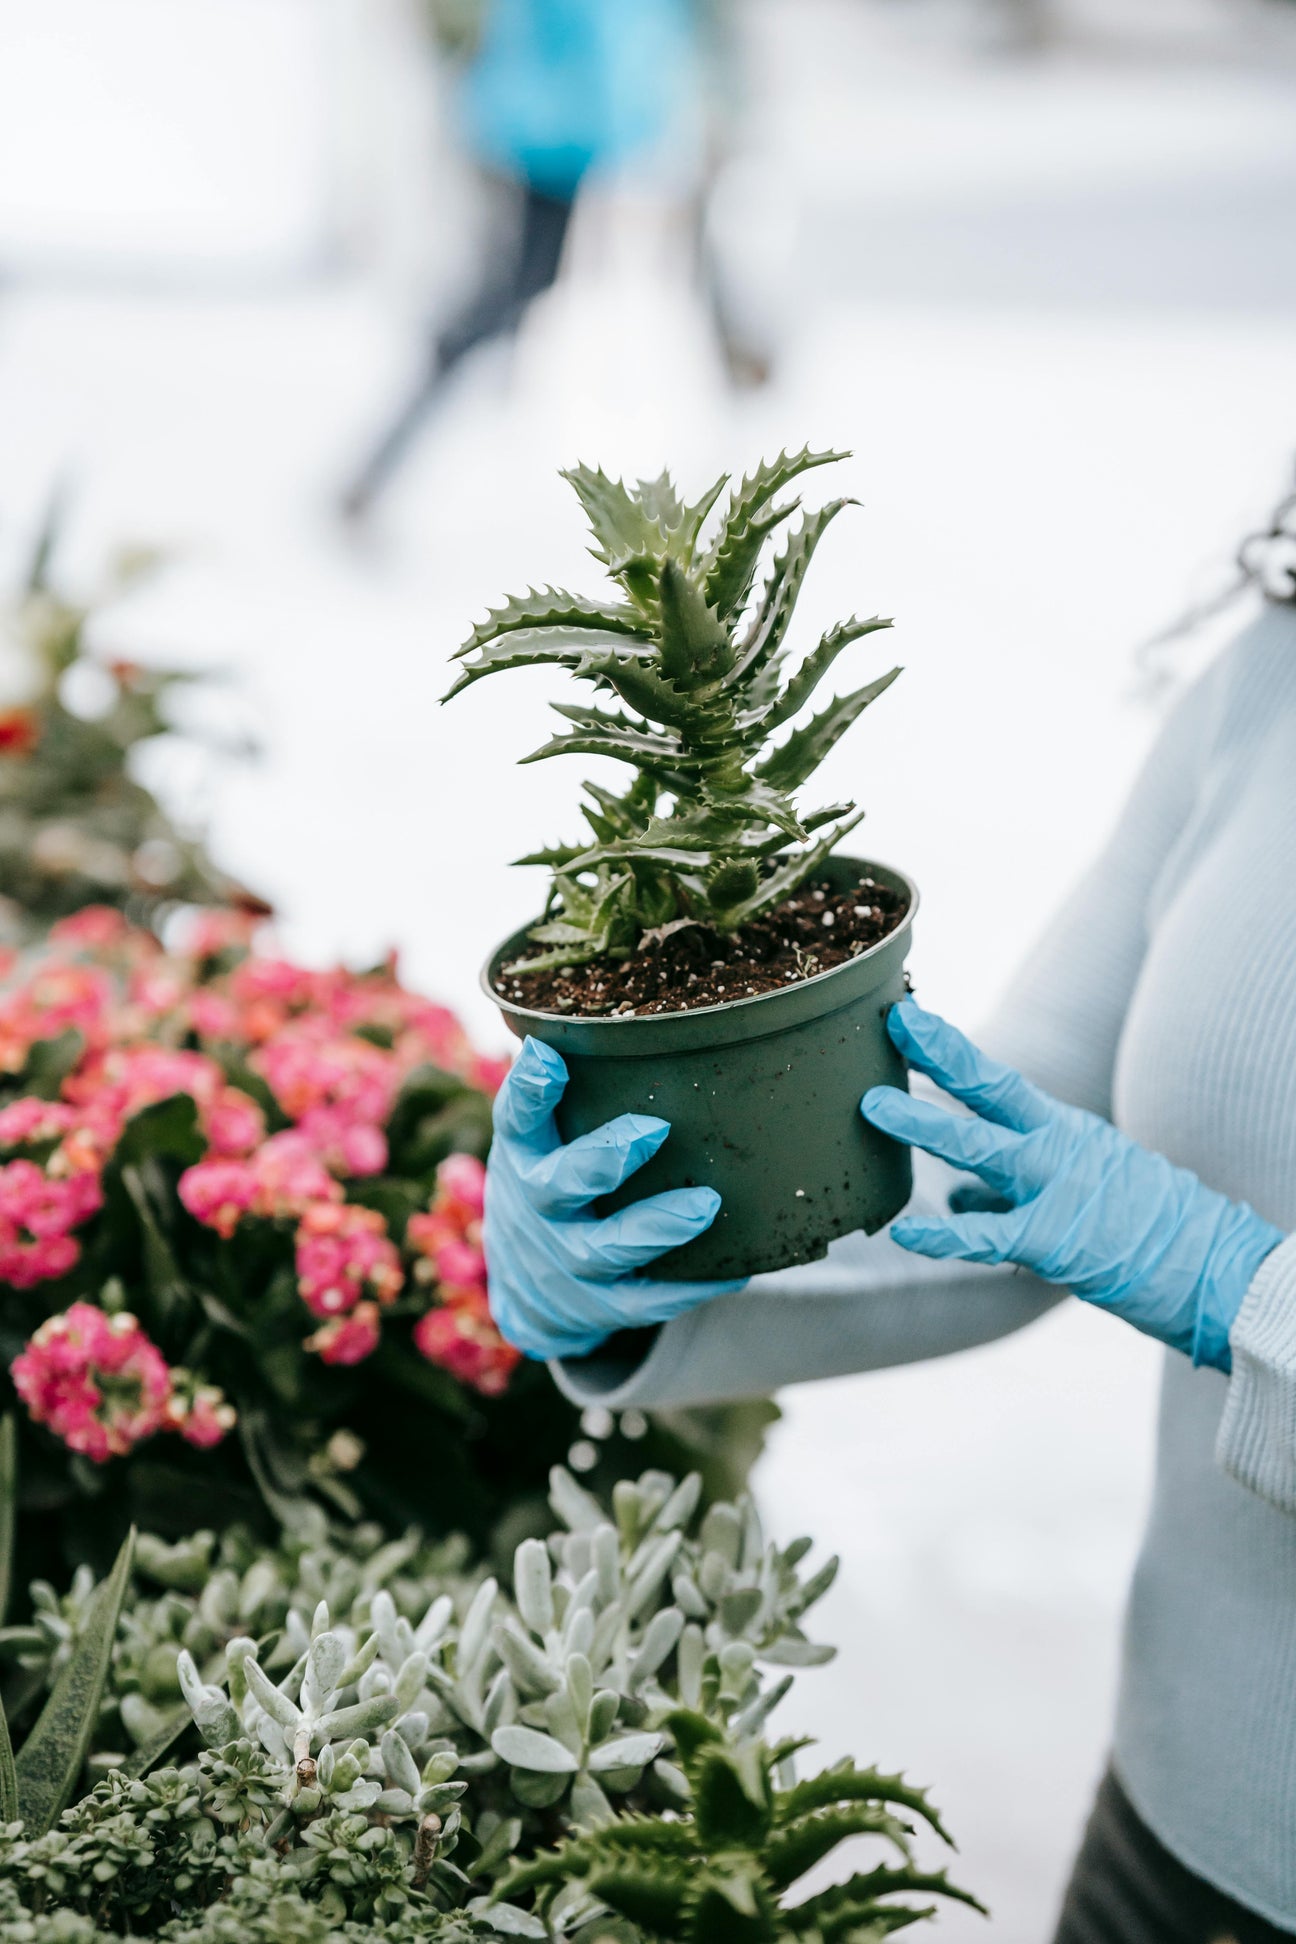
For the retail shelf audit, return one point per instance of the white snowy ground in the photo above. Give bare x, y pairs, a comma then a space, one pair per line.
1051, 310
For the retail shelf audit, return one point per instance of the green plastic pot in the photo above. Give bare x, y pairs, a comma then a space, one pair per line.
762, 1095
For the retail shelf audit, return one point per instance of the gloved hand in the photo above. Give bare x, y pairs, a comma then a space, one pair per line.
561, 1278
1070, 1197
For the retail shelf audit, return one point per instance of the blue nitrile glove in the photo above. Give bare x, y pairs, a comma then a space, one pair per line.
1070, 1197
562, 1278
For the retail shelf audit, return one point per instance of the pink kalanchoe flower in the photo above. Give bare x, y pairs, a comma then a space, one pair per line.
459, 1265
42, 1205
349, 1147
348, 1339
275, 979
154, 992
448, 1236
201, 1413
219, 1193
290, 1176
25, 1122
95, 928
95, 1380
24, 1264
489, 1072
233, 1123
344, 1253
461, 1180
209, 933
212, 1015
307, 1066
463, 1340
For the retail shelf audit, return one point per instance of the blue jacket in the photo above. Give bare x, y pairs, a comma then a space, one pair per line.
559, 87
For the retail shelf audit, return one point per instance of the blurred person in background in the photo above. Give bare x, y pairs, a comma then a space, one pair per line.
551, 95
1132, 1141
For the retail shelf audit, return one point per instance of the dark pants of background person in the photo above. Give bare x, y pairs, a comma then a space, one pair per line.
1127, 1889
520, 270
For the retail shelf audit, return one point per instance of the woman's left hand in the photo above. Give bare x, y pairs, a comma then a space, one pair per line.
1070, 1197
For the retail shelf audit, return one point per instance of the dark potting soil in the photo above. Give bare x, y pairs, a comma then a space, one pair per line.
686, 965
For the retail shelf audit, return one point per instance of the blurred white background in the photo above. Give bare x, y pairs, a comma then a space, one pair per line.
1046, 294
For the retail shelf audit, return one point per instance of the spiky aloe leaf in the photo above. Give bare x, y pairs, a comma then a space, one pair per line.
550, 607
806, 748
846, 1783
792, 873
764, 639
733, 884
729, 581
731, 1799
695, 516
792, 1851
639, 684
50, 1761
654, 1897
559, 857
815, 666
580, 650
864, 1890
624, 745
600, 720
619, 522
731, 1907
660, 502
758, 798
695, 645
759, 488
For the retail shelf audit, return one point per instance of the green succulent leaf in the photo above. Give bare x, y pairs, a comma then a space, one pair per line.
528, 1748
50, 1761
806, 748
8, 1505
695, 644
816, 665
550, 607
10, 1806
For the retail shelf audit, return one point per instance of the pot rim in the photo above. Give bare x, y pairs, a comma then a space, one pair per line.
610, 1022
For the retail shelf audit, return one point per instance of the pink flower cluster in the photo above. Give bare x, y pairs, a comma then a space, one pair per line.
101, 1386
38, 1210
460, 1333
344, 1253
330, 1050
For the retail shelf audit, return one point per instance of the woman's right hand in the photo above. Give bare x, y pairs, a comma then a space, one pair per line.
562, 1279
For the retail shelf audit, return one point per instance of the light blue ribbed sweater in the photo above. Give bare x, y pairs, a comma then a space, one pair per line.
1163, 996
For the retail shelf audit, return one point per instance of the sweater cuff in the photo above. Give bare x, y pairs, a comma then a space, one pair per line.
633, 1369
1257, 1434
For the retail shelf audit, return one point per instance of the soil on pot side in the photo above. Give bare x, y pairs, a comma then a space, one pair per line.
689, 965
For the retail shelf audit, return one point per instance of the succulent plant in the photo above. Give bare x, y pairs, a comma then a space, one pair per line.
393, 1744
708, 829
553, 1698
727, 1871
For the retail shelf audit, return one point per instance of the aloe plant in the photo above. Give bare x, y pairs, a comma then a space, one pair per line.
708, 829
727, 1869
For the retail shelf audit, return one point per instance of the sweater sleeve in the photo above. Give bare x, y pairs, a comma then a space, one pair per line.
869, 1304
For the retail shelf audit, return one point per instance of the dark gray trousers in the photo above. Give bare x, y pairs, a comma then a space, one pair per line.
1127, 1889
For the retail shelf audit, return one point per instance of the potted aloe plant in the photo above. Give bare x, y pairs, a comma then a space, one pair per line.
706, 954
